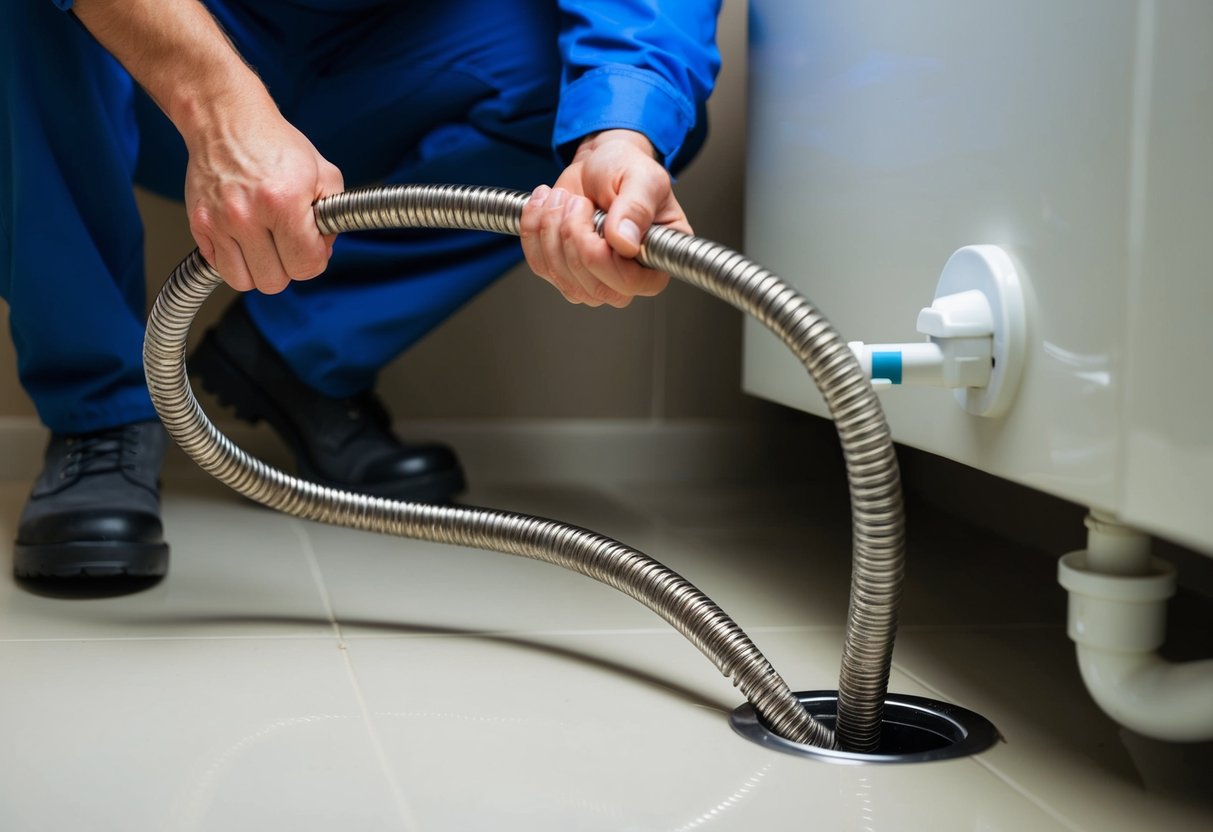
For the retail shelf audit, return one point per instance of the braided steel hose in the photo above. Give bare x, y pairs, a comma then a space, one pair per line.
877, 515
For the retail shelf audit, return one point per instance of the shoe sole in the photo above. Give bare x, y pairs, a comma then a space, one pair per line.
90, 559
220, 376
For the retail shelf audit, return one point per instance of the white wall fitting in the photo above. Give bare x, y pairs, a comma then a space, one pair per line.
883, 137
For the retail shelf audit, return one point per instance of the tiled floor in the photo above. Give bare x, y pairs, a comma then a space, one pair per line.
289, 675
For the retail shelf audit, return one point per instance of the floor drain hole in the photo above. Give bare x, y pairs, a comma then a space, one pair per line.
915, 730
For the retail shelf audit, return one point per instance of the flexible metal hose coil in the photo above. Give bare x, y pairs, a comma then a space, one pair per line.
877, 514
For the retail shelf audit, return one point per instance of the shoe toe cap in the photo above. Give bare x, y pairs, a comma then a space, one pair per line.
413, 461
92, 526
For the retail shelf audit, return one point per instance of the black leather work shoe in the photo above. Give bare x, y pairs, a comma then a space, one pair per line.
94, 510
344, 443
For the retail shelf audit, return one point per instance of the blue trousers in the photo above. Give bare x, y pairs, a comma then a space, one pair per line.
459, 92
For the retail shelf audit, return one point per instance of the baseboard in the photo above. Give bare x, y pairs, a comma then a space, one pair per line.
611, 450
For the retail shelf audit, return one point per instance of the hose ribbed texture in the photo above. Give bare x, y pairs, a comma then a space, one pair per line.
867, 445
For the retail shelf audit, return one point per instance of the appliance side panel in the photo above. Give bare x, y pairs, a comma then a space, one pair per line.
884, 136
1168, 438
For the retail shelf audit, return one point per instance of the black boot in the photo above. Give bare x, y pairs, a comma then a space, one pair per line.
95, 509
344, 443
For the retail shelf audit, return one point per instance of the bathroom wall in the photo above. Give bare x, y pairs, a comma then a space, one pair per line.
521, 352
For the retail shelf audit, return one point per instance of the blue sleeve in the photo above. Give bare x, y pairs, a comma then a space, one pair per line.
645, 65
63, 4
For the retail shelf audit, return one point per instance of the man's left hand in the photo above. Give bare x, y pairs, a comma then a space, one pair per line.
617, 171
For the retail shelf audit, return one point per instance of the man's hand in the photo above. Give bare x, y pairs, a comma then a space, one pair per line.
249, 189
252, 177
617, 171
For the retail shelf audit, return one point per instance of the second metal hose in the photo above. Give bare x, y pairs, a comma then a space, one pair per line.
877, 516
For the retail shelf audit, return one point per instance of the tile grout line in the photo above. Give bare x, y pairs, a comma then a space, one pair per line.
408, 821
1010, 782
309, 555
1028, 796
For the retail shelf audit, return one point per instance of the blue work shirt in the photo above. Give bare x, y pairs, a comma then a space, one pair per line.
644, 65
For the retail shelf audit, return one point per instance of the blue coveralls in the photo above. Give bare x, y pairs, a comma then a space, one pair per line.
490, 92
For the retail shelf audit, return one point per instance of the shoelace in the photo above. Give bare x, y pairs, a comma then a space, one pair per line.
97, 453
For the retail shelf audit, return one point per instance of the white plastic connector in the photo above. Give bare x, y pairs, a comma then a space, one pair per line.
961, 342
975, 335
952, 363
992, 272
962, 315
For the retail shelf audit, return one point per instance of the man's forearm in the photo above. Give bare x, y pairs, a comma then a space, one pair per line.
251, 178
176, 51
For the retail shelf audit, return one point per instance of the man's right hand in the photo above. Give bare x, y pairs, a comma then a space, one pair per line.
252, 177
249, 189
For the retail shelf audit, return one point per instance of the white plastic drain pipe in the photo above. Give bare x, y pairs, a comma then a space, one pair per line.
1117, 619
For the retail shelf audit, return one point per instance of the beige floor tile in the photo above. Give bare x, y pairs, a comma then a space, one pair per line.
236, 570
387, 586
595, 732
788, 553
1060, 748
762, 576
723, 505
494, 692
216, 734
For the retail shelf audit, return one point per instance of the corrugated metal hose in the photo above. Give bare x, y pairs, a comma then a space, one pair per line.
876, 502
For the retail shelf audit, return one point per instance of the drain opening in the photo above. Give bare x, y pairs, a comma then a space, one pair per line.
915, 730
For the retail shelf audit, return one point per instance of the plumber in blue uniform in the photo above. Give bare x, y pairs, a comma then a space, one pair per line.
250, 110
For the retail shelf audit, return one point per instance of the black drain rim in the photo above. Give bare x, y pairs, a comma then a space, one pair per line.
915, 730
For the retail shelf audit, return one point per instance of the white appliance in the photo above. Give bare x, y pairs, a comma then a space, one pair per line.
1078, 137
